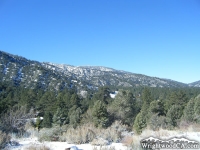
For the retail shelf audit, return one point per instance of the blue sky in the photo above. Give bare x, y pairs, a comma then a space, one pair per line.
153, 37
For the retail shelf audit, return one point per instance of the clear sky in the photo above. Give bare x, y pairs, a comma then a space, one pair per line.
153, 37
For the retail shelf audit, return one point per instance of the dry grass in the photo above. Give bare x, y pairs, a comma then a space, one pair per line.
80, 135
37, 147
191, 127
104, 148
89, 133
127, 141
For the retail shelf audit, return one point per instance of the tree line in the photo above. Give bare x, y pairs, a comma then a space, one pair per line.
136, 107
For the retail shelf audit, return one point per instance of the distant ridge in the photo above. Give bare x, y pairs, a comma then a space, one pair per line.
47, 75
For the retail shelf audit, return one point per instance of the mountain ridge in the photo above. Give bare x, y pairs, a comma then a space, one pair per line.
30, 73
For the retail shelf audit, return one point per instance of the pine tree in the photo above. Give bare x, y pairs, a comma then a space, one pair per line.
47, 121
75, 116
60, 117
100, 114
189, 112
142, 118
124, 107
174, 114
156, 107
103, 95
140, 122
146, 98
197, 109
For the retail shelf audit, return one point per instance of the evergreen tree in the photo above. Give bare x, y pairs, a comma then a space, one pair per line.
75, 116
146, 98
123, 107
140, 122
100, 114
60, 117
174, 114
177, 98
103, 95
157, 107
74, 100
142, 118
197, 109
47, 121
189, 112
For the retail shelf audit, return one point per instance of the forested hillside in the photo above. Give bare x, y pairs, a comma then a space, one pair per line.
135, 107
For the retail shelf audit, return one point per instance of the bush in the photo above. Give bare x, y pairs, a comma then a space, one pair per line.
88, 132
156, 122
4, 139
80, 135
49, 134
15, 119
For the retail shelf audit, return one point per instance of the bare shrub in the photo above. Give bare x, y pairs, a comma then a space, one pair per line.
14, 120
135, 143
88, 132
157, 122
49, 134
80, 135
195, 127
4, 139
159, 133
184, 125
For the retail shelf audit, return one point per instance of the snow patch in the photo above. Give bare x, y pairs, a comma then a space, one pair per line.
112, 95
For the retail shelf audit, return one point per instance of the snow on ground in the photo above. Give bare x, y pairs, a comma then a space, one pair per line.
112, 95
26, 142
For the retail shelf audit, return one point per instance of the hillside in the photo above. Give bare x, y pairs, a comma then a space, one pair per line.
32, 74
103, 76
195, 84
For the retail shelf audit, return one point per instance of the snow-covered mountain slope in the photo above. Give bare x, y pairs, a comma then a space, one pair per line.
101, 76
34, 74
195, 84
31, 74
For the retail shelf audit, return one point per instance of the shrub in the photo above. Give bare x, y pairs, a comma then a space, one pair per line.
88, 132
49, 134
4, 139
14, 119
157, 122
80, 135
